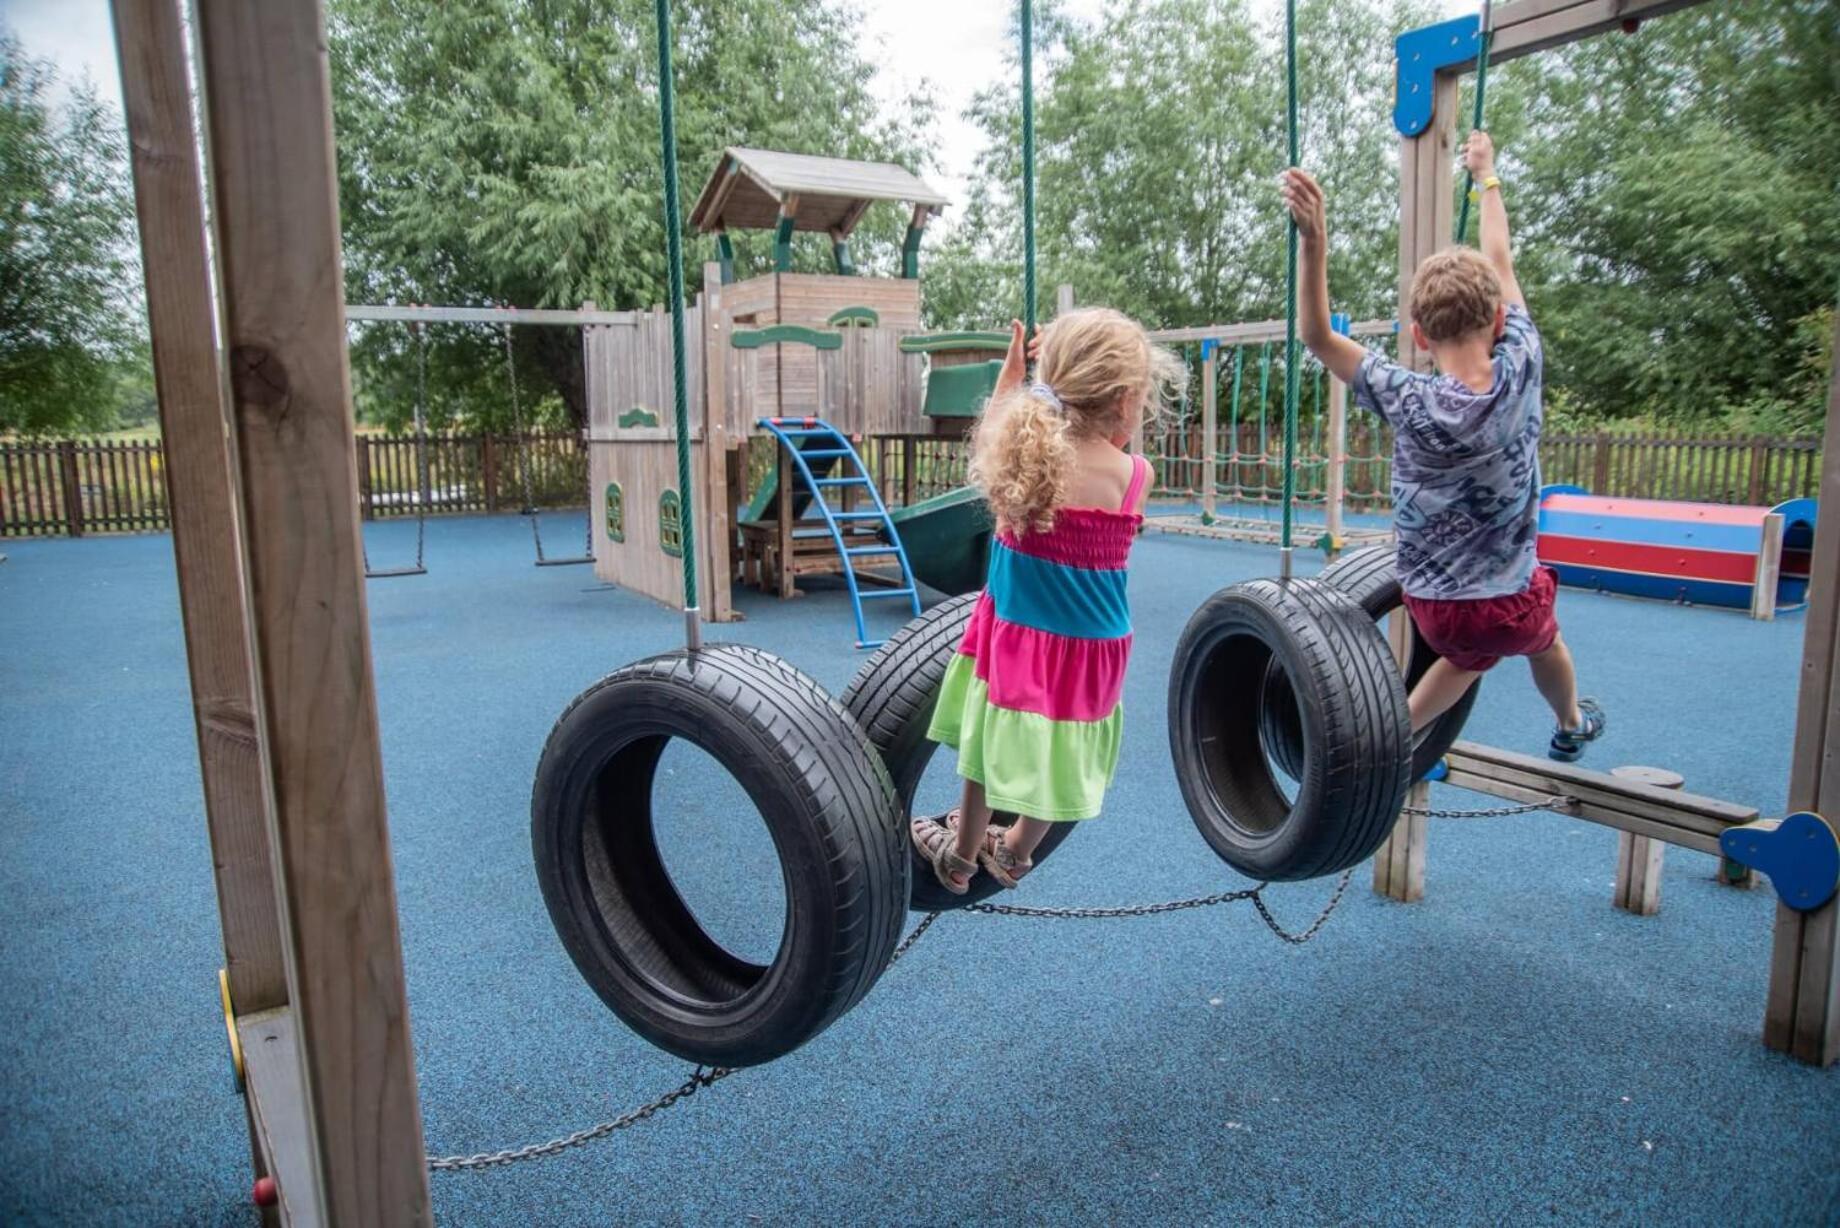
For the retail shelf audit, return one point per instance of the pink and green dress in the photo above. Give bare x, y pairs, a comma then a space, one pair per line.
1032, 700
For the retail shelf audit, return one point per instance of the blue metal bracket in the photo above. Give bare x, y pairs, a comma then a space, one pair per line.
1801, 854
1421, 53
1208, 346
1340, 322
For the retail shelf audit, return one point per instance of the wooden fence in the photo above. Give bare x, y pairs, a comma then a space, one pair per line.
1749, 470
72, 487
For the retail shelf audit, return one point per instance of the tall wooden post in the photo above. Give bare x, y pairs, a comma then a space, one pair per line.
1399, 864
273, 181
202, 492
1802, 1017
718, 573
1425, 217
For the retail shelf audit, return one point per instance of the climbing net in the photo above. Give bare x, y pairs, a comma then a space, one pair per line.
1246, 475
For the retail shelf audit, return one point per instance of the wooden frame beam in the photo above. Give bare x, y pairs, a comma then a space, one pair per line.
202, 487
268, 122
1802, 1017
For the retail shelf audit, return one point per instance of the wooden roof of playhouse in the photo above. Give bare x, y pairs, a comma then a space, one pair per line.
750, 187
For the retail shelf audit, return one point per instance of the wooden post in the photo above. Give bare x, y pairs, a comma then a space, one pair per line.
72, 482
488, 469
1063, 299
1399, 864
1769, 569
1425, 190
719, 534
1336, 493
268, 121
909, 455
200, 480
1638, 858
782, 501
1803, 1014
1757, 494
1209, 431
1600, 466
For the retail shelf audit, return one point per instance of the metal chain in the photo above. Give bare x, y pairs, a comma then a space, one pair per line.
1554, 802
1254, 894
705, 1077
699, 1079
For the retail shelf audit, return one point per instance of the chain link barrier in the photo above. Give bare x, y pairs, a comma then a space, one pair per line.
703, 1077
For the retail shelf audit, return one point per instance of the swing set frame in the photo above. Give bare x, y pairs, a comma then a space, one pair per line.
250, 363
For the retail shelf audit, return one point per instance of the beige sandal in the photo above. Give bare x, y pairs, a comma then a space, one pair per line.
935, 840
995, 855
1004, 866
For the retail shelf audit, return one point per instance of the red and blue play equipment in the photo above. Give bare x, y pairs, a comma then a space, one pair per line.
1696, 553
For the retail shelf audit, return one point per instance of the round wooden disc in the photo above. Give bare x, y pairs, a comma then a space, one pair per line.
1661, 778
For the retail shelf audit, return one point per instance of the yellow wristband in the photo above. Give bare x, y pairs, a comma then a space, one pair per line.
1493, 181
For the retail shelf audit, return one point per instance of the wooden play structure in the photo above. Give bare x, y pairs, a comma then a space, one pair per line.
1744, 558
1802, 1015
838, 347
249, 354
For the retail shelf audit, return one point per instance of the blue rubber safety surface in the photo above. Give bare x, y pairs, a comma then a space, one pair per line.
1511, 1050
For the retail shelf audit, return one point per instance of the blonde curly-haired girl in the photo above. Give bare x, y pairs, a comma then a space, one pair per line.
1031, 701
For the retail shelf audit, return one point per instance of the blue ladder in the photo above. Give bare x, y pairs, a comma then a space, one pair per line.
794, 434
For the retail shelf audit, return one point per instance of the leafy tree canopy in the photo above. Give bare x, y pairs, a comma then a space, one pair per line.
506, 151
70, 314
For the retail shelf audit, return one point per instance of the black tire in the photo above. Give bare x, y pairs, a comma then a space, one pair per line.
892, 697
1369, 577
827, 803
1352, 720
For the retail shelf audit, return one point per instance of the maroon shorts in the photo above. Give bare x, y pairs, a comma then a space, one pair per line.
1479, 633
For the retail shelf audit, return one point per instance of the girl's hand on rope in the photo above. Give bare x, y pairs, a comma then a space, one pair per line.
1303, 196
1479, 155
1015, 362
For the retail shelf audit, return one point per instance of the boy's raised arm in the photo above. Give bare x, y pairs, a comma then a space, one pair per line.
1479, 157
1303, 196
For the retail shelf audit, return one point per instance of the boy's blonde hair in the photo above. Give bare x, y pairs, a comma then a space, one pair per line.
1023, 449
1454, 293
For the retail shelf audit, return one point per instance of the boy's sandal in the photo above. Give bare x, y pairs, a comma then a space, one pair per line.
935, 839
1568, 744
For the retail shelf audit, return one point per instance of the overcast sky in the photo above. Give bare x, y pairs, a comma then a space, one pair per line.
956, 44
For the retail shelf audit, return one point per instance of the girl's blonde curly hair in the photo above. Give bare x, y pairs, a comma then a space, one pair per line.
1023, 450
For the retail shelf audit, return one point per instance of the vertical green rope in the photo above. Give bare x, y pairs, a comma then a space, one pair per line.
1264, 416
1028, 168
1239, 366
1482, 88
1290, 288
674, 241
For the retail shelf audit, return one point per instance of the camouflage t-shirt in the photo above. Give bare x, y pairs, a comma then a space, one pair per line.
1466, 468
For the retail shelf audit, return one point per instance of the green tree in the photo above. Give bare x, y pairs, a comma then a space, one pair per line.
70, 331
1159, 140
506, 151
1678, 200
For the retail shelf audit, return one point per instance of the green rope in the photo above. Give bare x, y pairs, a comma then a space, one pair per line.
1264, 395
1482, 89
674, 239
1290, 283
1028, 168
1239, 367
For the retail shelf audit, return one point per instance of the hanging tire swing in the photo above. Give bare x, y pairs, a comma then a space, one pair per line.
827, 802
1351, 727
892, 697
1367, 576
828, 806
